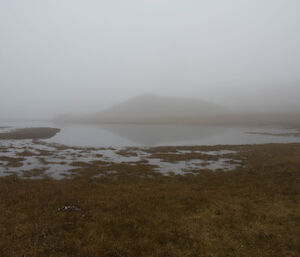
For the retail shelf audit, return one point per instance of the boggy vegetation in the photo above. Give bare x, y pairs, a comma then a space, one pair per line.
62, 161
253, 210
29, 133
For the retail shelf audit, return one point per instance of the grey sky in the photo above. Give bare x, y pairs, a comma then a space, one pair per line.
69, 56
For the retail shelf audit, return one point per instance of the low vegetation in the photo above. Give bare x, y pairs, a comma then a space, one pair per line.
29, 133
253, 210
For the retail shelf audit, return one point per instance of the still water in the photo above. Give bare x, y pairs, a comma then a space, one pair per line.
121, 135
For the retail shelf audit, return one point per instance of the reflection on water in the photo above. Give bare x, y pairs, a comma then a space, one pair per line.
150, 135
37, 159
120, 135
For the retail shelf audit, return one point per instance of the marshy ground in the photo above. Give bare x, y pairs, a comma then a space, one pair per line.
39, 159
164, 201
8, 133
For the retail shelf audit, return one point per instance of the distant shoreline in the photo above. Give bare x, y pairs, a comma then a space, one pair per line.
243, 119
29, 133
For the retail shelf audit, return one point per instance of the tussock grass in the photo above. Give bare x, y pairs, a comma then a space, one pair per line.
251, 211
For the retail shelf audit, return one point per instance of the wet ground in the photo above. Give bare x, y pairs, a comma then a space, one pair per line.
39, 159
23, 153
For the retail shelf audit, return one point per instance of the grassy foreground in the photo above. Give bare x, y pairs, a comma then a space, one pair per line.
251, 211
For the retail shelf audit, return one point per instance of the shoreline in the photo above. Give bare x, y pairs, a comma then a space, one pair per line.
28, 133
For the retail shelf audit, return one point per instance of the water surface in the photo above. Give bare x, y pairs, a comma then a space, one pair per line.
121, 135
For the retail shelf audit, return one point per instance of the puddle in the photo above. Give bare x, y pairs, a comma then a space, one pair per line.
182, 167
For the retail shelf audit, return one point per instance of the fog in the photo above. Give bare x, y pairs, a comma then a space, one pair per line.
79, 57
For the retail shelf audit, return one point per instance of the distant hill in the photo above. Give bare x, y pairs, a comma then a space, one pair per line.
153, 108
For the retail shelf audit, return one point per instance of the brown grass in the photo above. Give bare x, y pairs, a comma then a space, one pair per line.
251, 211
12, 161
30, 133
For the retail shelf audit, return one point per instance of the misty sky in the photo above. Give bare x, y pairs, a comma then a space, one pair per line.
71, 56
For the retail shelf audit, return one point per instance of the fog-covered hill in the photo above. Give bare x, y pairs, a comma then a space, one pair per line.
165, 110
151, 108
